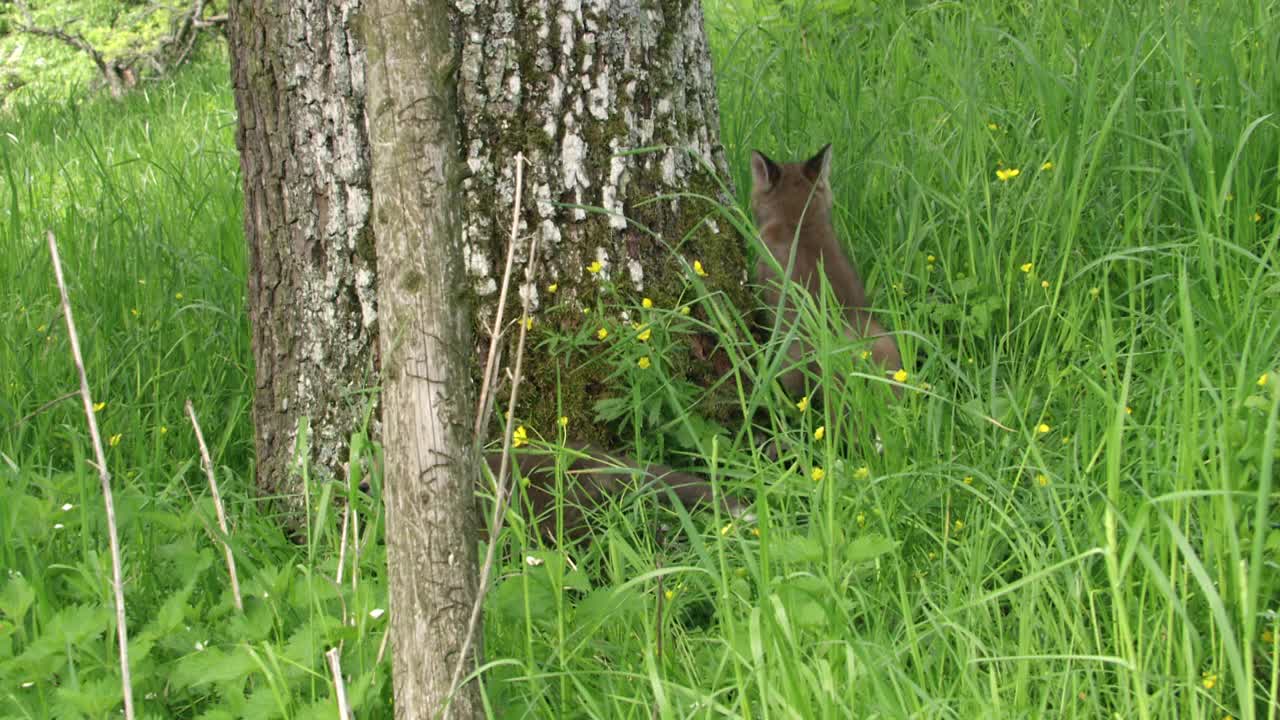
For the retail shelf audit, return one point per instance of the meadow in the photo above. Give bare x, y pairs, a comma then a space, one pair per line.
1069, 217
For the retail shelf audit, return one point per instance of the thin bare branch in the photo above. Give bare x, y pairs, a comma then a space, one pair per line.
339, 687
117, 575
501, 495
217, 505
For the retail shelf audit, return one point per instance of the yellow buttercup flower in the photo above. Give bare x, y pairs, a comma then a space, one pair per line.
817, 474
97, 407
646, 303
553, 287
602, 333
967, 480
684, 309
1257, 217
1262, 380
862, 473
114, 440
930, 258
697, 268
958, 525
1042, 479
820, 433
645, 334
1047, 165
1208, 680
564, 421
528, 323
864, 354
803, 404
1043, 428
519, 437
594, 267
1044, 284
901, 376
177, 296
643, 362
992, 126
1007, 175
1028, 267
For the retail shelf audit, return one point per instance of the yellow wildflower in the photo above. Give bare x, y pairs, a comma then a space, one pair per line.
725, 530
684, 309
1048, 165
643, 362
862, 519
901, 376
697, 268
755, 531
114, 440
1262, 380
645, 334
1043, 428
930, 258
1028, 267
1128, 410
133, 312
1007, 175
958, 525
817, 474
1044, 284
670, 594
519, 437
97, 407
594, 267
967, 480
864, 354
820, 433
803, 404
1208, 680
528, 323
646, 303
164, 429
1268, 637
602, 333
553, 287
177, 296
564, 421
1042, 479
862, 473
1094, 292
992, 126
1257, 217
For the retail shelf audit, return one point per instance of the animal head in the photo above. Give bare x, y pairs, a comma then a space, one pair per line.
791, 193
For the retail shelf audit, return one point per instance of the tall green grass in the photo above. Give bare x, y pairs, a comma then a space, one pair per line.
1073, 515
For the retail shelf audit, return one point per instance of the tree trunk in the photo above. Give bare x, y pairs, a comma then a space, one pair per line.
571, 85
430, 477
298, 71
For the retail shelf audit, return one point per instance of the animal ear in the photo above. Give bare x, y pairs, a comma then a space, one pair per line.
818, 167
764, 172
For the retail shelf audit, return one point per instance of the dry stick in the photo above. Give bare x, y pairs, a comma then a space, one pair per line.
340, 689
491, 361
342, 545
500, 501
117, 581
217, 506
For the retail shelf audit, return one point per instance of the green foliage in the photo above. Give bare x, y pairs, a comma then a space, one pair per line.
118, 30
1073, 515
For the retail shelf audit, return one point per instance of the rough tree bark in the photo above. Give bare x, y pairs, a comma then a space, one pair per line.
298, 71
427, 396
574, 85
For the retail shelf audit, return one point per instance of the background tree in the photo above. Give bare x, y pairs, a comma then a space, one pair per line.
601, 81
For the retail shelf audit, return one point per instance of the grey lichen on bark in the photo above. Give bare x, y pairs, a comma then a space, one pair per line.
298, 72
575, 86
426, 350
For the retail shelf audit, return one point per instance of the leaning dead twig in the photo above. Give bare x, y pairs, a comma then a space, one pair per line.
217, 506
500, 497
339, 687
117, 576
490, 363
